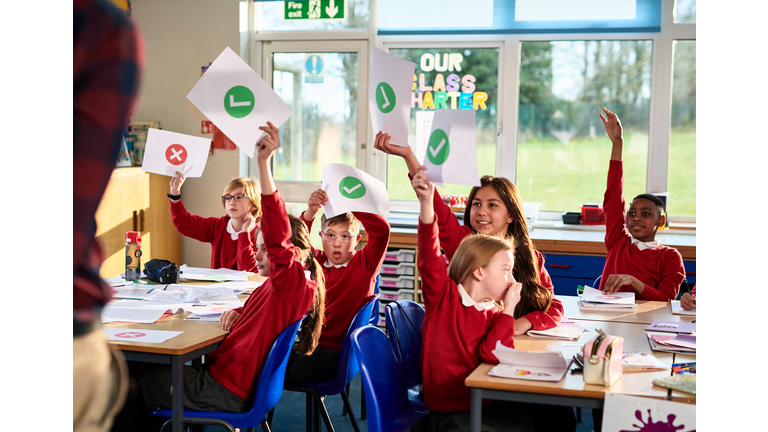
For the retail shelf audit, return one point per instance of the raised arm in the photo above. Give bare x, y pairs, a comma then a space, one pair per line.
451, 231
613, 201
382, 144
378, 239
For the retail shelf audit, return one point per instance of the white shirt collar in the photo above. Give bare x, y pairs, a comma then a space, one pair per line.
231, 230
329, 264
467, 301
644, 245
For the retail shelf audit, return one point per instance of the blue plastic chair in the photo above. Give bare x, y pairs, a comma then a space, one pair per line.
597, 282
404, 319
269, 388
347, 369
383, 381
374, 321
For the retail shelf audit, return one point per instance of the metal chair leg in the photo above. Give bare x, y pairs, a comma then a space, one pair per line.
344, 408
363, 409
351, 413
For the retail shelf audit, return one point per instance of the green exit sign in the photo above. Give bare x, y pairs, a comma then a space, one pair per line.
314, 10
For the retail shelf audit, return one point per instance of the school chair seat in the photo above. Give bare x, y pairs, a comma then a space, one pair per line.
269, 388
384, 382
374, 321
346, 370
404, 319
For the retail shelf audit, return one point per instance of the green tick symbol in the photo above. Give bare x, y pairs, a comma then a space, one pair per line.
385, 97
438, 147
239, 101
352, 188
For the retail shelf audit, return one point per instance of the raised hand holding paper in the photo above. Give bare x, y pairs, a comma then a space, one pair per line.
350, 189
451, 153
168, 152
235, 98
390, 80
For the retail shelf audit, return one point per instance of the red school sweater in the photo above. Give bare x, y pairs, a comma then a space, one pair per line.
282, 300
348, 288
456, 338
451, 235
237, 254
660, 269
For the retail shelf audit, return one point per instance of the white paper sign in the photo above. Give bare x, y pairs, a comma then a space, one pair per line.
350, 189
451, 152
596, 296
633, 413
235, 98
168, 152
390, 81
140, 335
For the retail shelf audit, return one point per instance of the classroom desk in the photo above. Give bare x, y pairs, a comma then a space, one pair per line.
645, 313
198, 339
571, 390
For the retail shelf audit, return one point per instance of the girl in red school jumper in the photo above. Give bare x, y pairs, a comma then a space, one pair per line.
232, 237
295, 287
463, 322
496, 209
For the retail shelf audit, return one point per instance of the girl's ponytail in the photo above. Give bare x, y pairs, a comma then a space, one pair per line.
309, 333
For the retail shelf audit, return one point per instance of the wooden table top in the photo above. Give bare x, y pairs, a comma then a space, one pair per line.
196, 335
645, 313
634, 383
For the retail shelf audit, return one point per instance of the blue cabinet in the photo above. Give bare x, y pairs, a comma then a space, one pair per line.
570, 271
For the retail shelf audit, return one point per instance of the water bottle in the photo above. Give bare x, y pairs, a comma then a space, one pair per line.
132, 256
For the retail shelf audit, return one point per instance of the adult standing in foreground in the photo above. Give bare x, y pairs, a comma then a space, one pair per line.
107, 61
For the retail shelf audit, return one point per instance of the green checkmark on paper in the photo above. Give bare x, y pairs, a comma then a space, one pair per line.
438, 147
351, 187
385, 97
239, 101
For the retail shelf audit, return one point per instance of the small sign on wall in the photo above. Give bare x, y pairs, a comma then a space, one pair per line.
314, 68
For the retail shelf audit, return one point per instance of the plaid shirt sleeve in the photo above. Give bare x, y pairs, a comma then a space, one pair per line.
108, 56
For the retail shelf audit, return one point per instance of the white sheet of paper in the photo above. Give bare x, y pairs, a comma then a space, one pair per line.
235, 98
116, 312
451, 153
213, 308
532, 365
350, 189
390, 81
134, 291
168, 152
624, 412
213, 275
596, 296
176, 293
140, 335
568, 330
677, 309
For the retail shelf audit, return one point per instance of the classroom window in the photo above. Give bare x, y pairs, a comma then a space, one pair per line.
321, 90
273, 16
439, 83
685, 12
562, 148
681, 174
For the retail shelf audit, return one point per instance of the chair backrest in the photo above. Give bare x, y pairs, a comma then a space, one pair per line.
404, 319
375, 311
597, 282
383, 382
348, 366
269, 386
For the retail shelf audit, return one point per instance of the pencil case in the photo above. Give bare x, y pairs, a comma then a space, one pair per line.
602, 360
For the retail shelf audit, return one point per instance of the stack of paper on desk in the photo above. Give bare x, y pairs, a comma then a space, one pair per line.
672, 327
213, 275
134, 291
210, 311
136, 311
531, 365
567, 330
592, 299
681, 344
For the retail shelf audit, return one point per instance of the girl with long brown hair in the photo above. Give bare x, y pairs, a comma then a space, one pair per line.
496, 209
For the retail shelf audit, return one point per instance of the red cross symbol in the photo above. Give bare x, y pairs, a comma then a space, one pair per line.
176, 154
608, 297
129, 335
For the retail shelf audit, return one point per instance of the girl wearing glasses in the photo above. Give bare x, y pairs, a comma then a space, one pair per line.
232, 237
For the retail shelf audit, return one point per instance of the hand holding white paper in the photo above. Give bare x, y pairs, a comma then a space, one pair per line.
390, 80
168, 152
350, 189
235, 98
451, 151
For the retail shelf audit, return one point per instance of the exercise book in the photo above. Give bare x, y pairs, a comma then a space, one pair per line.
532, 365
